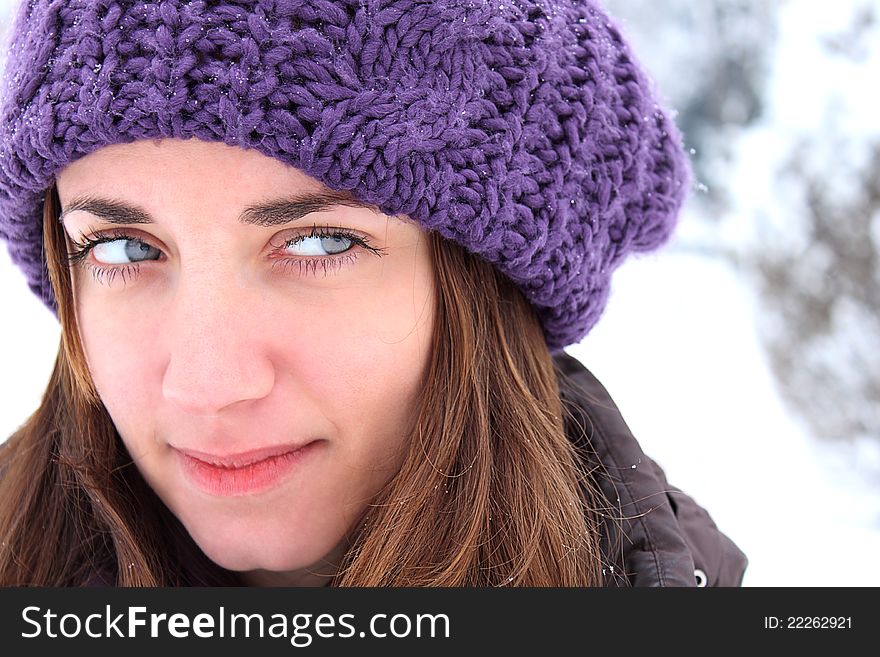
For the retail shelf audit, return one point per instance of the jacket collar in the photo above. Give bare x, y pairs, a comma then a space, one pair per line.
652, 534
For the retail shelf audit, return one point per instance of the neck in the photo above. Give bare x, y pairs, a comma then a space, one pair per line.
293, 578
319, 574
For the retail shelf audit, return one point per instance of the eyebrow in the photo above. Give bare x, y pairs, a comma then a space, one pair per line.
267, 214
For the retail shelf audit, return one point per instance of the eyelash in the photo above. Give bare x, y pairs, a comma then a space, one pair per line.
107, 273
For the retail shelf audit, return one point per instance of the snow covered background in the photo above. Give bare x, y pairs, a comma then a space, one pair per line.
711, 347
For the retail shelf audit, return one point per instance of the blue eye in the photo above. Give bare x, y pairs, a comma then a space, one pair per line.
313, 245
124, 252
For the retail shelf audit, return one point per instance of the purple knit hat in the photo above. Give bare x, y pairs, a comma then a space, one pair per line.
523, 131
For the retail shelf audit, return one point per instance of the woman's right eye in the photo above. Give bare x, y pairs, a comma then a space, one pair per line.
124, 251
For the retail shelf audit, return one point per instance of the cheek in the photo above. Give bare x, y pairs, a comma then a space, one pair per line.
365, 366
376, 346
121, 361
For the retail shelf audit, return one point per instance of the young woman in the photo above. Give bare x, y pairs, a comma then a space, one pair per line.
315, 265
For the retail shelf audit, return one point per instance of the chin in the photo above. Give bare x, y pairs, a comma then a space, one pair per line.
254, 552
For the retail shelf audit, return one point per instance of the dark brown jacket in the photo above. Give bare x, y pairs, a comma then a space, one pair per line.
653, 533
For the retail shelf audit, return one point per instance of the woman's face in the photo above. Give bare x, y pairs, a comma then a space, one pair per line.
262, 373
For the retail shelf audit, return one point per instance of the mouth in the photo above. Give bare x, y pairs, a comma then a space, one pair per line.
243, 473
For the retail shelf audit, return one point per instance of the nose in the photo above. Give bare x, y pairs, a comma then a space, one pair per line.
215, 358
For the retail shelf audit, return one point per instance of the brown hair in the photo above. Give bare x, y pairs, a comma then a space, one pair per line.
491, 491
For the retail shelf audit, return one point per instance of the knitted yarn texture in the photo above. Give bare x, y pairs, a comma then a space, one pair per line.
525, 131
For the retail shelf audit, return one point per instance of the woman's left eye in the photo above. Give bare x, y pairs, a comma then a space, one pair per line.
323, 248
317, 245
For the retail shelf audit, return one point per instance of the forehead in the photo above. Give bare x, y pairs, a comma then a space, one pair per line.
177, 161
199, 180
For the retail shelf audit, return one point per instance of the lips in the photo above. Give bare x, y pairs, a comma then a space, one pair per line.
243, 473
